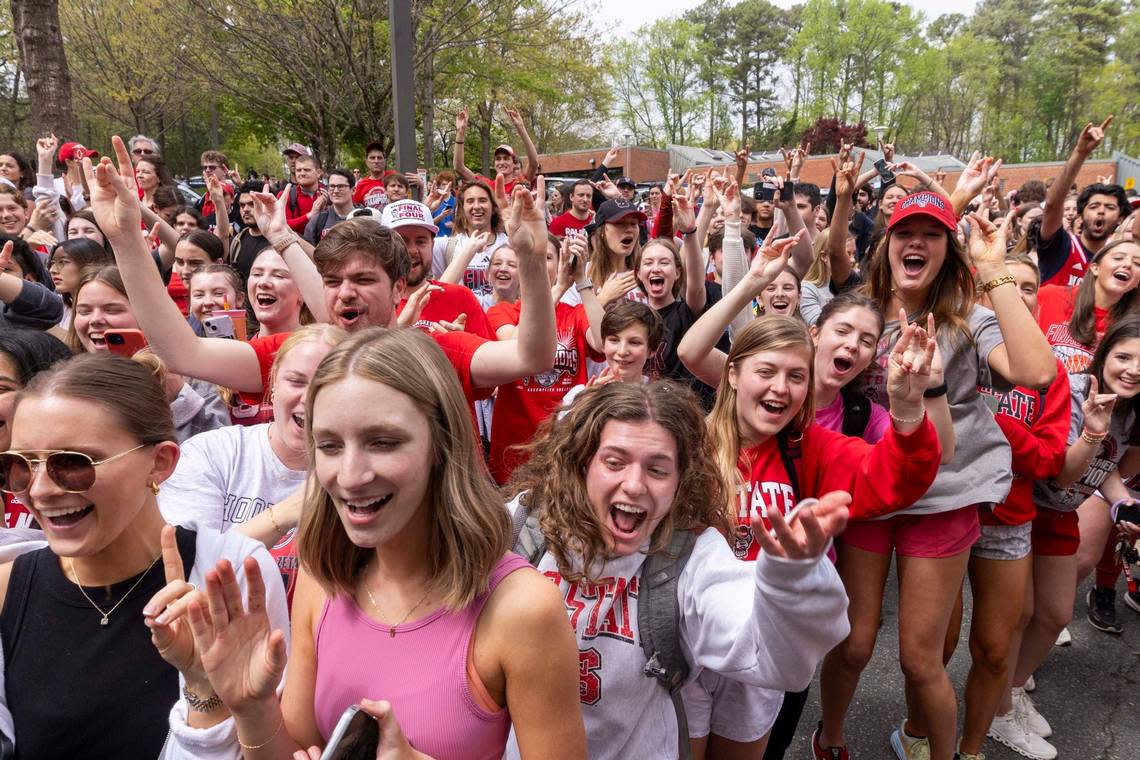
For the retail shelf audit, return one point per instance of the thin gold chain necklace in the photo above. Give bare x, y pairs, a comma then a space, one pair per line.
106, 619
392, 628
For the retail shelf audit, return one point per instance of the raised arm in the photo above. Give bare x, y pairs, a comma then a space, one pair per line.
1024, 357
845, 179
1089, 140
691, 259
116, 206
800, 255
221, 219
457, 163
732, 252
697, 349
742, 165
532, 168
978, 173
532, 351
270, 215
167, 235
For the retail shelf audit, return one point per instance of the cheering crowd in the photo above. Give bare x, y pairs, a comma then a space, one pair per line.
373, 439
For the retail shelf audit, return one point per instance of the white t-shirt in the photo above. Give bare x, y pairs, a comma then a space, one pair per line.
226, 477
475, 277
765, 623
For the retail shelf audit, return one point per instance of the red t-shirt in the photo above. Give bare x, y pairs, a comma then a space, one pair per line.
370, 193
179, 293
284, 553
16, 514
1055, 304
881, 478
520, 406
567, 221
297, 217
1036, 424
508, 187
448, 305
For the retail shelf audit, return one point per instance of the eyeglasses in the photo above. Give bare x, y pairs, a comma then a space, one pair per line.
209, 167
339, 187
72, 471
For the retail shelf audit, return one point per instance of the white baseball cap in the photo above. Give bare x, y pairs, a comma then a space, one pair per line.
407, 213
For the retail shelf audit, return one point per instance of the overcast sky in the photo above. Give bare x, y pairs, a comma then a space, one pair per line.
627, 15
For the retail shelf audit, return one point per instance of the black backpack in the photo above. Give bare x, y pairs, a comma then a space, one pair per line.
658, 612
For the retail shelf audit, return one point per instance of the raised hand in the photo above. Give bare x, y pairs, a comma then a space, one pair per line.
807, 531
270, 215
499, 193
242, 656
114, 199
742, 157
611, 156
516, 119
729, 200
684, 216
43, 215
415, 305
1092, 136
461, 120
978, 173
771, 260
888, 151
845, 150
1097, 409
847, 174
606, 187
911, 360
165, 615
46, 146
526, 224
986, 242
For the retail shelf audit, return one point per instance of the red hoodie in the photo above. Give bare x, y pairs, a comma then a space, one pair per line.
1037, 426
881, 478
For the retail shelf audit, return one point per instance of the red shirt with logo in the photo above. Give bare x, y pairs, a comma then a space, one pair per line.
1055, 304
520, 406
567, 221
370, 193
448, 305
1063, 259
1036, 423
16, 514
881, 478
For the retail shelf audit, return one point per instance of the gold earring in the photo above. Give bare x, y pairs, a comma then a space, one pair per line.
154, 487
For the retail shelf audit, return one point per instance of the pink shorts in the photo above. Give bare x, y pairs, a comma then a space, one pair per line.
937, 536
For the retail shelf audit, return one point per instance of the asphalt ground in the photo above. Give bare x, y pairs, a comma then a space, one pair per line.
1089, 691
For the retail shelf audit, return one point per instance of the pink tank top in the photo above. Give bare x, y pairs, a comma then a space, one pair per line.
422, 671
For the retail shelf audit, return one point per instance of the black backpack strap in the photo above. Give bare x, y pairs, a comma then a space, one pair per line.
856, 412
789, 454
293, 205
526, 535
659, 623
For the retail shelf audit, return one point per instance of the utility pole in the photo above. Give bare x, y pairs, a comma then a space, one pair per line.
403, 87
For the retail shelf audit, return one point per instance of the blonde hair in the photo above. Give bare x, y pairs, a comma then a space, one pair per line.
819, 273
107, 275
469, 529
772, 333
554, 476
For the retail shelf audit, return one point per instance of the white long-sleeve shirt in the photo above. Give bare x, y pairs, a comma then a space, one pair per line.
766, 623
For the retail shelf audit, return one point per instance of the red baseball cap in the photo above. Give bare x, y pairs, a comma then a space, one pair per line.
73, 150
925, 203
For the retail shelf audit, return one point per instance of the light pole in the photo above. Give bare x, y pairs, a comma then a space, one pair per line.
403, 85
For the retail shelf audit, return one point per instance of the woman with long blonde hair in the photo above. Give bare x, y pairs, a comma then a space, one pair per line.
407, 592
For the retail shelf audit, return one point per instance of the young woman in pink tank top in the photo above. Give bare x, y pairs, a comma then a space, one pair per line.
407, 591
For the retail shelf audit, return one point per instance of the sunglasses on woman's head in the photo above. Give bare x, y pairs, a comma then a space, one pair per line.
72, 471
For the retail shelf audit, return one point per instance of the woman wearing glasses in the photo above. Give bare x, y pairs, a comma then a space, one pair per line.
91, 440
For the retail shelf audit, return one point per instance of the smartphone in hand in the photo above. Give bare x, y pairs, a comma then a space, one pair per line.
124, 342
356, 736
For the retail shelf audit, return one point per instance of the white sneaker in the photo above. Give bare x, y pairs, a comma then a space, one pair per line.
1030, 684
1024, 709
1008, 730
1064, 638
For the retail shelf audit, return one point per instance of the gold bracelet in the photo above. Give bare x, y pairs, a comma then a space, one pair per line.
273, 519
901, 421
1093, 439
1005, 279
267, 741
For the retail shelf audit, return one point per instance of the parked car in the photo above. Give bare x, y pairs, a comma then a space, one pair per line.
187, 194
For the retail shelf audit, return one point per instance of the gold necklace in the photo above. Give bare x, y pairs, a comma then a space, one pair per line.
392, 628
106, 619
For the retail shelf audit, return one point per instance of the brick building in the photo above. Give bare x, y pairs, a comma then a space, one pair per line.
652, 165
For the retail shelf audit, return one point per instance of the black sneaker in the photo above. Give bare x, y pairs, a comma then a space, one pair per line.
1132, 599
1102, 610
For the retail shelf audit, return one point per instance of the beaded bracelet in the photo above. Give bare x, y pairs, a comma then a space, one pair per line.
901, 421
1092, 439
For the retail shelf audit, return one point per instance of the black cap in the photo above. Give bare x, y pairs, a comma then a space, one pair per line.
626, 182
615, 209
